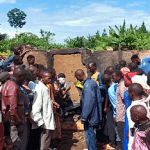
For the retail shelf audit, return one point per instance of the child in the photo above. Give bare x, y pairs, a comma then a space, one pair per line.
64, 88
142, 122
111, 109
31, 60
136, 94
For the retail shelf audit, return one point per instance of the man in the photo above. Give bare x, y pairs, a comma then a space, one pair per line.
143, 64
90, 115
42, 111
96, 76
13, 108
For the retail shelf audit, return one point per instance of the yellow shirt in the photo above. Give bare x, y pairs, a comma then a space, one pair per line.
95, 76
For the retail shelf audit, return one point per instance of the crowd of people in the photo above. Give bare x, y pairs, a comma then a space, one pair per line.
121, 97
34, 98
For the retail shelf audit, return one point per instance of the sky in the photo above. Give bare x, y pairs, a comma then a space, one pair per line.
72, 18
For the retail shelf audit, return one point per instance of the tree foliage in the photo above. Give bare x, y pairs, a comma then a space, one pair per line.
42, 43
16, 18
119, 37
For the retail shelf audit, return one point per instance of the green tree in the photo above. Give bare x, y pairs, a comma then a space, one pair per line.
16, 18
104, 33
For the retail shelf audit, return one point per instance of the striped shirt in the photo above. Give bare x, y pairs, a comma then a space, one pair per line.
120, 107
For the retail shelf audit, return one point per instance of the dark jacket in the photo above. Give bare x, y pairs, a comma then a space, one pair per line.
12, 97
90, 104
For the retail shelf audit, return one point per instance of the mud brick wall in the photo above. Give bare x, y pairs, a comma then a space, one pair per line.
69, 60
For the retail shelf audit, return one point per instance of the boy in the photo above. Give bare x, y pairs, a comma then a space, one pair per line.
111, 110
31, 60
136, 94
142, 122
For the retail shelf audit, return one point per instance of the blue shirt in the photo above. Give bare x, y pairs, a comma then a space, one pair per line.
145, 64
112, 97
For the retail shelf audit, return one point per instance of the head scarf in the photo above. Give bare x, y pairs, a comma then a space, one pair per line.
127, 77
125, 70
61, 80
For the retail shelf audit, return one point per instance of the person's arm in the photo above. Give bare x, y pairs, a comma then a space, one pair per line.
12, 97
37, 107
112, 99
24, 52
101, 85
66, 90
13, 109
106, 101
7, 62
118, 97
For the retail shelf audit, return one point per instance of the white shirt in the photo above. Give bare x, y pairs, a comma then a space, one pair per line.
131, 123
141, 79
42, 108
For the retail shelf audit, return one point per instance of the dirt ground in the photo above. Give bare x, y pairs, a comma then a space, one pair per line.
72, 140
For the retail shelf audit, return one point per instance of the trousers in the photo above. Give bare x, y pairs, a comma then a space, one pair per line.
90, 136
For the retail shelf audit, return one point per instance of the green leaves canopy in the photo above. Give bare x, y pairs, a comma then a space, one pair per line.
16, 18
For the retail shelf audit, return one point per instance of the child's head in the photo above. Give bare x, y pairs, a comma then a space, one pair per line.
117, 67
109, 70
31, 59
139, 114
117, 76
132, 66
61, 78
135, 59
135, 91
106, 79
61, 75
122, 63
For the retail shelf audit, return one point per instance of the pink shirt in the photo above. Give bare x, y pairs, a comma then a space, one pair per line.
120, 107
138, 143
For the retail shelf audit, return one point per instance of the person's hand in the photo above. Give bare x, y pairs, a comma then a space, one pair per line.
26, 50
83, 122
56, 104
68, 88
105, 109
9, 147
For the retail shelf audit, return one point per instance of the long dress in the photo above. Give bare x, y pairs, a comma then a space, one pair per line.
127, 102
57, 131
